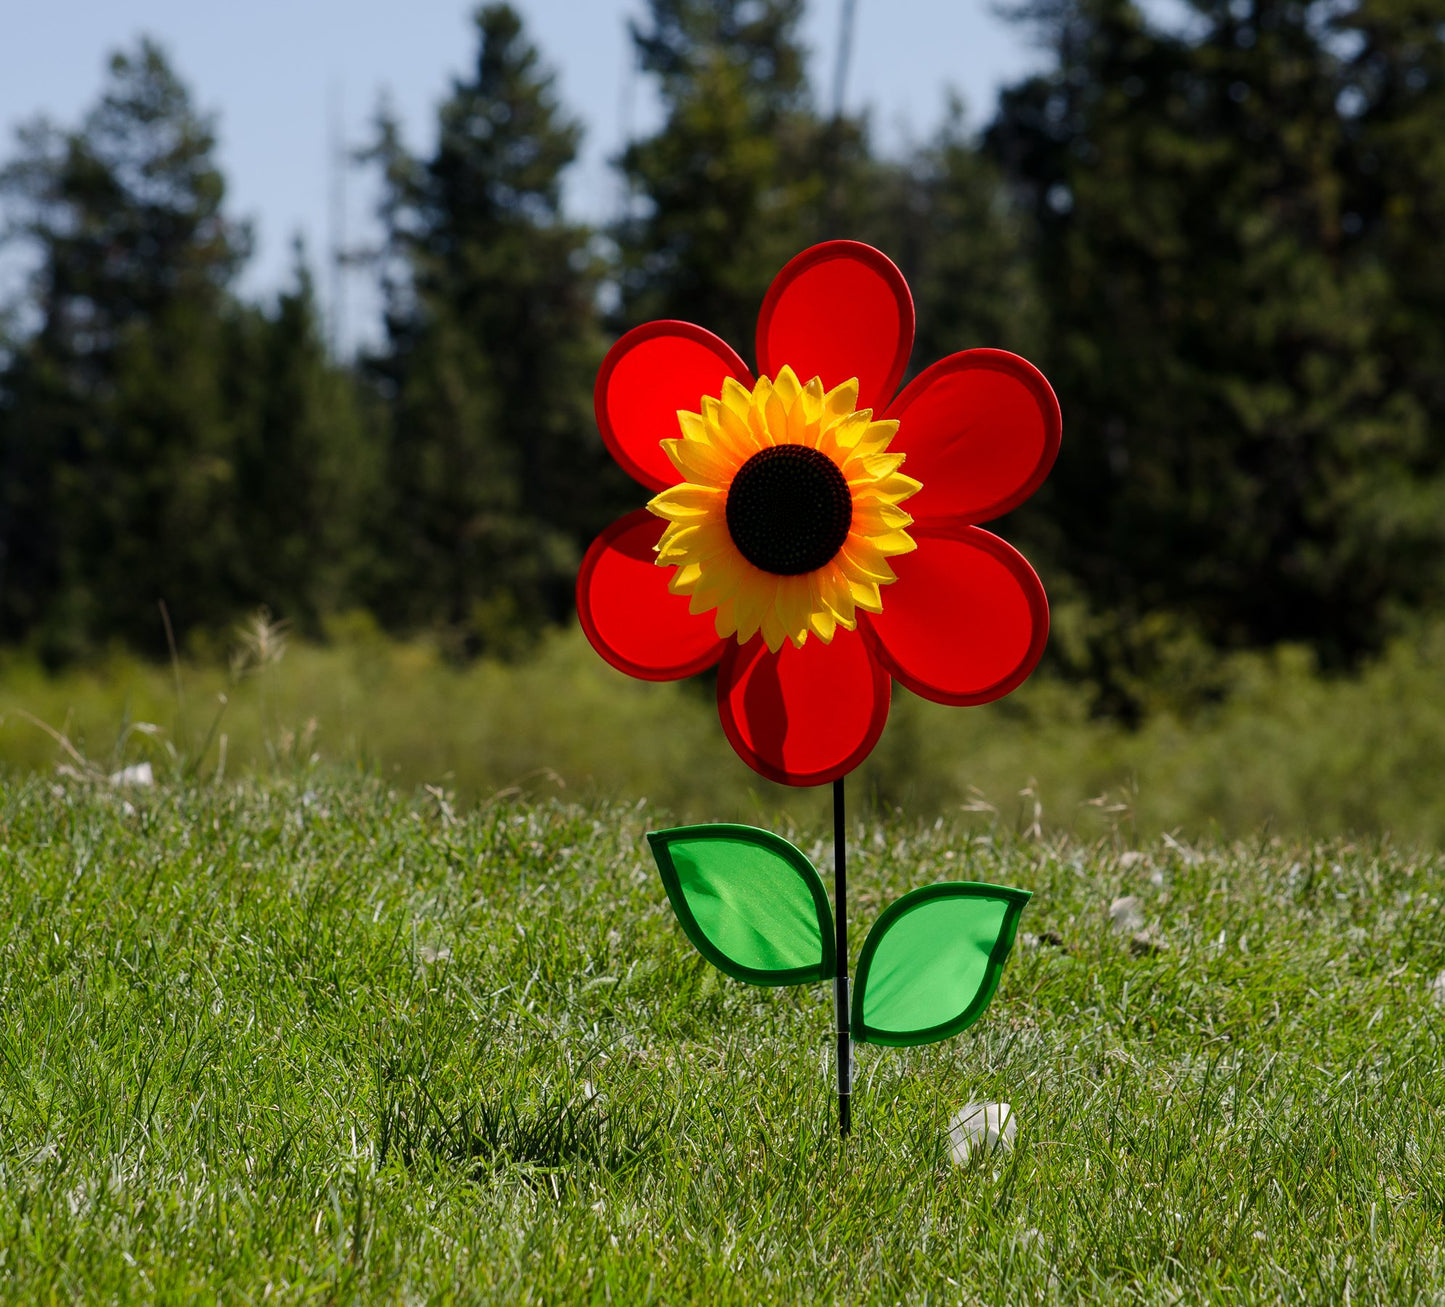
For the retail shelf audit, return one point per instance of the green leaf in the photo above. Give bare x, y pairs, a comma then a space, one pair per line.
749, 901
932, 961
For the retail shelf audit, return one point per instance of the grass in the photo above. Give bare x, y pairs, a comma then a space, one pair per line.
1307, 754
303, 1039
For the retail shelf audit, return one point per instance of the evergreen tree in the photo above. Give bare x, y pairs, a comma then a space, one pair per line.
115, 445
1393, 102
744, 173
306, 464
1216, 338
943, 214
495, 468
736, 181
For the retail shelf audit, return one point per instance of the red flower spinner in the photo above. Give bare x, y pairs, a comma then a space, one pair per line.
732, 560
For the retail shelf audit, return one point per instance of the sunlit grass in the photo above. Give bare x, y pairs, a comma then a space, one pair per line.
305, 1039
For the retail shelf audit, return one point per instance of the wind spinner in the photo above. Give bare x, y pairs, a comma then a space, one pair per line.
816, 536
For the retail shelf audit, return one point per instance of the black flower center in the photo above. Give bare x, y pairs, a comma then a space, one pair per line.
789, 509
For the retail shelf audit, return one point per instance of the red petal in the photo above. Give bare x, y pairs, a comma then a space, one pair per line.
652, 372
803, 716
839, 310
965, 622
981, 431
628, 613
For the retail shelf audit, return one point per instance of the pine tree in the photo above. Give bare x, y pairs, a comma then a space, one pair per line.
492, 343
1393, 101
115, 445
735, 181
942, 213
306, 462
1214, 335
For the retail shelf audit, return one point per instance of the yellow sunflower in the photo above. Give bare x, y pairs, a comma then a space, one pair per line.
788, 511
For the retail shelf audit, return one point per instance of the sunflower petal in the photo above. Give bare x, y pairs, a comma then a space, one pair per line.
866, 443
793, 606
812, 398
894, 543
800, 430
739, 434
891, 490
692, 425
774, 636
700, 462
737, 397
704, 600
841, 400
753, 599
694, 543
823, 625
836, 595
820, 619
866, 596
861, 558
786, 386
878, 519
684, 577
725, 623
875, 467
844, 434
727, 433
776, 413
686, 502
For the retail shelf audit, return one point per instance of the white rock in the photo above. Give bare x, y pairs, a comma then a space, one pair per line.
1125, 916
1437, 989
138, 773
978, 1129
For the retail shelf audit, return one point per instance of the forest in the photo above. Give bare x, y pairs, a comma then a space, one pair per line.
1221, 242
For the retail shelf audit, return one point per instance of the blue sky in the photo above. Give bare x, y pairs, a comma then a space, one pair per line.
283, 75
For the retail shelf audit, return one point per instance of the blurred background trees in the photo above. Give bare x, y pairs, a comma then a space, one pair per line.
160, 440
733, 184
1223, 295
1221, 242
495, 475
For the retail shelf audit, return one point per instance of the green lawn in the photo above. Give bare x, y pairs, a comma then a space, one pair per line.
306, 1040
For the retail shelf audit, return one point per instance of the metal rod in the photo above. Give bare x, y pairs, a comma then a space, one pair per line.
840, 983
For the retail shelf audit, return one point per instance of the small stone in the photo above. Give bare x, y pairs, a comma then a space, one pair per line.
1437, 989
139, 773
980, 1129
1124, 915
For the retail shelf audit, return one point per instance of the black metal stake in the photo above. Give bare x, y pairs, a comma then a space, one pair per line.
840, 983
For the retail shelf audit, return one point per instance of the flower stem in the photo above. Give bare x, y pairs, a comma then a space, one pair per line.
840, 983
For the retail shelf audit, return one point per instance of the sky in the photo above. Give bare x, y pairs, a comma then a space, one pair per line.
290, 80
